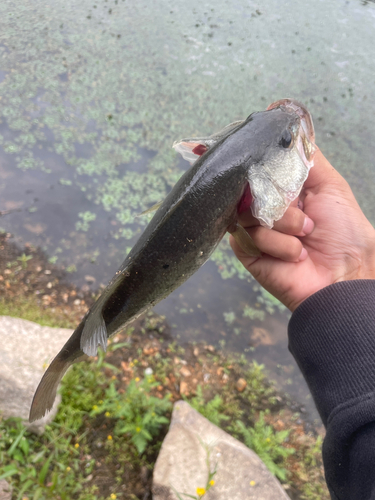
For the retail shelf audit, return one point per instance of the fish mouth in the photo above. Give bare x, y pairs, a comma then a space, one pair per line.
305, 135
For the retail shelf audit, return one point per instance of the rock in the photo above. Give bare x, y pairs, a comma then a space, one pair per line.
241, 384
181, 463
185, 372
5, 490
184, 388
23, 359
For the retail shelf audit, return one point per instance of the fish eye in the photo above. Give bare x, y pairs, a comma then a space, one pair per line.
286, 139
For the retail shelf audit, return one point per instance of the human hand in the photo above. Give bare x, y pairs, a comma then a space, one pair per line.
327, 241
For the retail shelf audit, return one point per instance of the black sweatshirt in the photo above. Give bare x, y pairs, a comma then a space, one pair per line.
332, 337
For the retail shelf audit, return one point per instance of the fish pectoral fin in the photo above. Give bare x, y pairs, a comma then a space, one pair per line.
191, 149
151, 209
245, 241
94, 333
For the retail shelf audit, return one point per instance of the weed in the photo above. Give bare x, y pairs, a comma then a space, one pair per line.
212, 409
24, 260
138, 414
258, 391
229, 317
210, 482
71, 269
250, 312
45, 466
84, 224
267, 444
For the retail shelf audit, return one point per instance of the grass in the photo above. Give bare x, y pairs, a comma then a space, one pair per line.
29, 308
268, 444
109, 428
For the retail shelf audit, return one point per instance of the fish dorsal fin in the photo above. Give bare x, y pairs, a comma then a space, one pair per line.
94, 332
192, 148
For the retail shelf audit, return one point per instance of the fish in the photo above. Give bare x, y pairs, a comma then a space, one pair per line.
259, 163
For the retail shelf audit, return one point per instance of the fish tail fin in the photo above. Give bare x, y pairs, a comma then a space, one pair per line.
45, 394
94, 331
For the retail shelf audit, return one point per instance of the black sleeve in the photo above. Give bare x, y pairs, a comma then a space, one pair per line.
332, 338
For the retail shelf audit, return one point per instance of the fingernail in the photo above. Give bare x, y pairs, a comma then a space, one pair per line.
303, 255
308, 226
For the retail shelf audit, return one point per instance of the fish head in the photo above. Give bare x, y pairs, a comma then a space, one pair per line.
303, 133
285, 155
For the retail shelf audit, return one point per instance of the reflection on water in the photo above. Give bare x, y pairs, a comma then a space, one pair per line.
92, 95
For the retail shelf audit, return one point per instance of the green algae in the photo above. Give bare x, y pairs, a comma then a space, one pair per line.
108, 88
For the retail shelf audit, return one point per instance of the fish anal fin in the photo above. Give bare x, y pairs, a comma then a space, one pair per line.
94, 333
245, 241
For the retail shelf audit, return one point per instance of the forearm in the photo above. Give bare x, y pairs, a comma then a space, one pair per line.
332, 337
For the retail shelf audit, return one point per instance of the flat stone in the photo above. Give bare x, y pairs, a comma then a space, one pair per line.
181, 464
5, 490
26, 350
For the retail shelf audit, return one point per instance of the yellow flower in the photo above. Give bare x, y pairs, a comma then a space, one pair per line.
113, 378
138, 429
109, 437
212, 482
94, 407
252, 483
68, 469
76, 445
113, 496
268, 440
201, 491
137, 379
107, 414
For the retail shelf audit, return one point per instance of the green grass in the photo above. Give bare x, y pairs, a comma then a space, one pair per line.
268, 444
28, 308
58, 465
211, 409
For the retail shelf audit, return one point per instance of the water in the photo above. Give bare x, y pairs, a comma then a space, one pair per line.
92, 96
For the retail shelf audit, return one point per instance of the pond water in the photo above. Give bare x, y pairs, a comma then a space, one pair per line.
93, 94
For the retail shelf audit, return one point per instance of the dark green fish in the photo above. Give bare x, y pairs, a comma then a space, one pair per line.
260, 162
